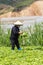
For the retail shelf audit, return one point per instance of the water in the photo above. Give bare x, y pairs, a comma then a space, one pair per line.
27, 21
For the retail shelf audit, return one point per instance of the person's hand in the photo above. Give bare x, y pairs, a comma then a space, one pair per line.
20, 32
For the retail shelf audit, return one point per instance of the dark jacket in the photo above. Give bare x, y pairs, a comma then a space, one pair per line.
14, 33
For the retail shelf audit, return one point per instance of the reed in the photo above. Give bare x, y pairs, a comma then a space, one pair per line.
32, 37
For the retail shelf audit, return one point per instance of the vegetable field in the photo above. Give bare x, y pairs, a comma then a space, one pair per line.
30, 55
32, 47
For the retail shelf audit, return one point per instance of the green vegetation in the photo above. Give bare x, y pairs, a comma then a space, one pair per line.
4, 38
16, 2
30, 56
31, 44
32, 37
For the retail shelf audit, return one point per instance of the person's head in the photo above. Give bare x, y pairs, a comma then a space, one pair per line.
18, 23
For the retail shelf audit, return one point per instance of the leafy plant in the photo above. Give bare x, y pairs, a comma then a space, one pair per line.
31, 55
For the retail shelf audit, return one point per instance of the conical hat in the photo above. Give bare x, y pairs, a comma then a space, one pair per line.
18, 23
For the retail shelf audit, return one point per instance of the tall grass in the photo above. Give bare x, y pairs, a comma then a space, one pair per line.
36, 37
32, 37
4, 38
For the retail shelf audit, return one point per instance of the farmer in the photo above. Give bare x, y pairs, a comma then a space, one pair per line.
15, 32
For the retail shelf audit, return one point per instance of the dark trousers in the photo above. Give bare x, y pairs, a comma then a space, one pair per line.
15, 42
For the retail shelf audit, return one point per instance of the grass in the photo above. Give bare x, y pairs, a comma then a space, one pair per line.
32, 37
32, 50
30, 55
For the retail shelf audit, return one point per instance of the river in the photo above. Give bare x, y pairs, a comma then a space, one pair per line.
27, 21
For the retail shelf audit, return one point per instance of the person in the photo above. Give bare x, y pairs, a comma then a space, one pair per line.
15, 32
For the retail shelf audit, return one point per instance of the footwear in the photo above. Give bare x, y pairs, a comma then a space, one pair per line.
19, 49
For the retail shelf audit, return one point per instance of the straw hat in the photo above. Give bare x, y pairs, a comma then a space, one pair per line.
18, 23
